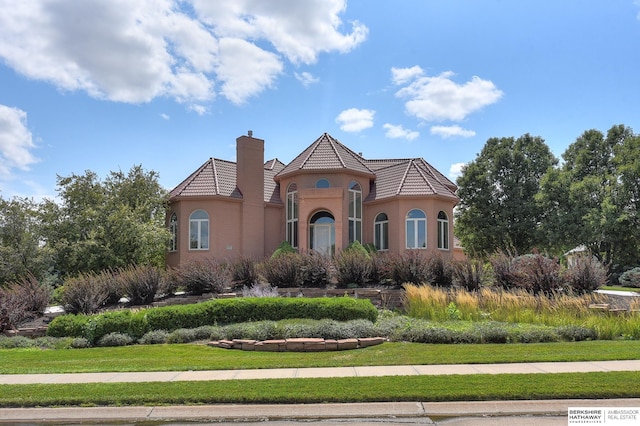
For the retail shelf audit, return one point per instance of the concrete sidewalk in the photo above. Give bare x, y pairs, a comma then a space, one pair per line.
293, 373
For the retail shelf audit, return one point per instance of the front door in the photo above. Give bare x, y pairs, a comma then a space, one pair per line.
322, 233
322, 238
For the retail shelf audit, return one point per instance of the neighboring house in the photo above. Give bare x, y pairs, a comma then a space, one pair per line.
324, 199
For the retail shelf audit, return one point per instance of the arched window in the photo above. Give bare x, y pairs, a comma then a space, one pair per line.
292, 215
322, 233
322, 183
443, 231
381, 232
199, 230
416, 229
355, 212
173, 230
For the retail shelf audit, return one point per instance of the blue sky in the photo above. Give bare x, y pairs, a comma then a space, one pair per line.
104, 85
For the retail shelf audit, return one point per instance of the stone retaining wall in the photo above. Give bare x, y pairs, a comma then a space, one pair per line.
298, 344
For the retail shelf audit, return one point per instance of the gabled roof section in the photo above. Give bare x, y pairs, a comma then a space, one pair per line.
271, 187
327, 153
218, 178
214, 178
408, 177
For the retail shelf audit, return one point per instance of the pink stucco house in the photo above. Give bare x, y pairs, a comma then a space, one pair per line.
327, 197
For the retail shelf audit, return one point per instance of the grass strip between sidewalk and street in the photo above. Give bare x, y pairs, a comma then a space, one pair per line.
184, 357
358, 389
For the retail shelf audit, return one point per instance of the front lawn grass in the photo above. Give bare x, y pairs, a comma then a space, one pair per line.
353, 389
183, 357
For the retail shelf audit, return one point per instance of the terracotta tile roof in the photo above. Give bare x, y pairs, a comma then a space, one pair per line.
408, 177
271, 187
390, 177
327, 153
218, 178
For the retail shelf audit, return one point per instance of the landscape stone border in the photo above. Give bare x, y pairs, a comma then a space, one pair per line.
298, 344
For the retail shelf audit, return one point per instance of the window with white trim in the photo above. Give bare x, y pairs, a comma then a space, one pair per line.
381, 232
355, 212
443, 231
292, 215
416, 229
199, 230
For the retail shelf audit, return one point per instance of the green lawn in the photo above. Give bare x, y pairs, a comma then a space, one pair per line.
353, 389
358, 389
199, 357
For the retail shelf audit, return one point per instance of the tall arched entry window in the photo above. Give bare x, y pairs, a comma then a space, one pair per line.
443, 231
416, 229
322, 233
199, 230
292, 215
355, 212
381, 232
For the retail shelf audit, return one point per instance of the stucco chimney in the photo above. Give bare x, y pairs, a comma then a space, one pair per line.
250, 182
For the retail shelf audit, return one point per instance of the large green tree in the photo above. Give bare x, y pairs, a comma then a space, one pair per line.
106, 224
592, 199
21, 251
497, 210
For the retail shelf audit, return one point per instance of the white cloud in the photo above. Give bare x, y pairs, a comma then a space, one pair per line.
399, 132
165, 116
134, 52
16, 141
198, 109
245, 69
306, 78
404, 75
449, 131
455, 170
355, 120
439, 98
299, 30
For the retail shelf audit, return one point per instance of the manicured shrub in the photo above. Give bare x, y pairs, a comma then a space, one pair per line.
317, 270
411, 267
244, 272
182, 335
283, 248
576, 333
15, 342
80, 343
258, 330
468, 274
353, 266
630, 278
283, 270
586, 274
87, 292
70, 325
219, 311
204, 276
155, 337
140, 283
115, 339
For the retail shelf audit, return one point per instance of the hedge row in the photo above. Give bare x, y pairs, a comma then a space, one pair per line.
219, 311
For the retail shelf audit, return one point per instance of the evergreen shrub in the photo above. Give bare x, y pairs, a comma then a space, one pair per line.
630, 278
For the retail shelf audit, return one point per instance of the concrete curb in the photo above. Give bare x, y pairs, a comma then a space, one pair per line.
254, 413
